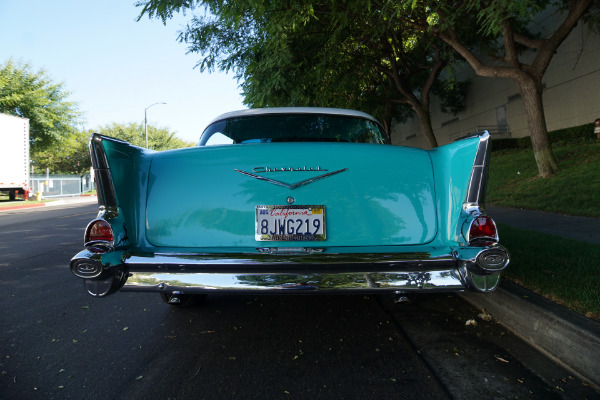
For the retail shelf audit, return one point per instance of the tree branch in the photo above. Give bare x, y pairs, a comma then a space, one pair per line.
576, 9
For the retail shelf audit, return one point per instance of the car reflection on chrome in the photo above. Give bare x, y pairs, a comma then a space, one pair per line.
290, 200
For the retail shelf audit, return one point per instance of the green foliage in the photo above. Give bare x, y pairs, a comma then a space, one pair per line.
165, 9
452, 95
67, 155
350, 54
71, 154
158, 138
33, 95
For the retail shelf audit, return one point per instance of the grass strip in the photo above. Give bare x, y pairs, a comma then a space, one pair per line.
563, 270
574, 190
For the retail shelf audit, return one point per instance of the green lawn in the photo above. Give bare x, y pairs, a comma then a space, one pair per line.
562, 270
574, 190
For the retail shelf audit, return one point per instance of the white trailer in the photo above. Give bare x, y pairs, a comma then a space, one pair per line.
14, 156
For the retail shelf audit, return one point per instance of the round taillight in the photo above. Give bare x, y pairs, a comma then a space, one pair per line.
483, 227
99, 231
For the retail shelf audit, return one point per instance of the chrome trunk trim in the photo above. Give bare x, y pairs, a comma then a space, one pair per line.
293, 185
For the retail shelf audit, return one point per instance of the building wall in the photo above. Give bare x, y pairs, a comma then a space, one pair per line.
571, 97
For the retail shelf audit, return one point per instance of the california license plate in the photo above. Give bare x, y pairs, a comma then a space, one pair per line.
290, 223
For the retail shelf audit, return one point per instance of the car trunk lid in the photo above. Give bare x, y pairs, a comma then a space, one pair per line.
372, 195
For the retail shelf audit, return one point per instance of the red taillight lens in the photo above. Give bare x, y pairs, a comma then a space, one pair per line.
483, 227
99, 230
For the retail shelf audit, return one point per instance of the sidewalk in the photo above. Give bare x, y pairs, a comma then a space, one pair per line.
18, 205
566, 337
584, 229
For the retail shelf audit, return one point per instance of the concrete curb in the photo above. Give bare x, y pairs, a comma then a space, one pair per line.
570, 339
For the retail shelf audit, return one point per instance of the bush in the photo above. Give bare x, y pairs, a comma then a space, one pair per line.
511, 143
576, 134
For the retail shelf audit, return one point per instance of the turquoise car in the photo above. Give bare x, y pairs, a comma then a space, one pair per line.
290, 200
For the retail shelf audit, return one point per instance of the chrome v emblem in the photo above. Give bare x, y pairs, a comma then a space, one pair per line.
292, 186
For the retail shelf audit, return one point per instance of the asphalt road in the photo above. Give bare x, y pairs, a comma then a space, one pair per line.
56, 342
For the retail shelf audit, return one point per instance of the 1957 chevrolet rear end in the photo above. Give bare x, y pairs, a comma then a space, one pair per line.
298, 200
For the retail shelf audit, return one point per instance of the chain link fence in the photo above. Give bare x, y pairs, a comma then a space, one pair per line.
61, 185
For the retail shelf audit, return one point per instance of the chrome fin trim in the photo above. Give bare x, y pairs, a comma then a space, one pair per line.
475, 197
106, 190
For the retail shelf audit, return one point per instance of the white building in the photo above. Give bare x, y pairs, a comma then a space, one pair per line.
571, 97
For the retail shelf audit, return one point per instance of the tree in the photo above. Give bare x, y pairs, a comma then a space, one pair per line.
497, 39
158, 138
71, 154
319, 53
33, 95
67, 155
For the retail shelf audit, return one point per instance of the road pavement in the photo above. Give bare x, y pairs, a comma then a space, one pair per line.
56, 342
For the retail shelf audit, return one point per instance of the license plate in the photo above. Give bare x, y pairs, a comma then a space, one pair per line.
290, 223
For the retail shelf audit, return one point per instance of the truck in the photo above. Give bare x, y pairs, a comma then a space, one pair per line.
14, 156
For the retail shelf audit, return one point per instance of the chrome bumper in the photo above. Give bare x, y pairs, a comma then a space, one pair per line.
268, 273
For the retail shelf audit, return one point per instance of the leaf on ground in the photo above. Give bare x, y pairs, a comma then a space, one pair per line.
501, 359
471, 322
485, 316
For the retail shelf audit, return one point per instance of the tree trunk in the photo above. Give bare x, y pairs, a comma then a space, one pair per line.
531, 92
426, 128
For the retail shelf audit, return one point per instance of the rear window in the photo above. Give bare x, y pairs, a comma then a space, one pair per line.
293, 128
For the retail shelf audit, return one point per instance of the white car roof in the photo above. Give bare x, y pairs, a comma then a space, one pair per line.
294, 110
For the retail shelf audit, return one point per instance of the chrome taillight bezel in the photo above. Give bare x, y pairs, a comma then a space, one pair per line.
103, 245
481, 240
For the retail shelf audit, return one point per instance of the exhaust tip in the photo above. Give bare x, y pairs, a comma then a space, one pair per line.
107, 284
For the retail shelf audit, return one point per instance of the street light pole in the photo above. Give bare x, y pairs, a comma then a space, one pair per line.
146, 120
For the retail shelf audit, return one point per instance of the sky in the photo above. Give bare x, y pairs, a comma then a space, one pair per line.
115, 67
